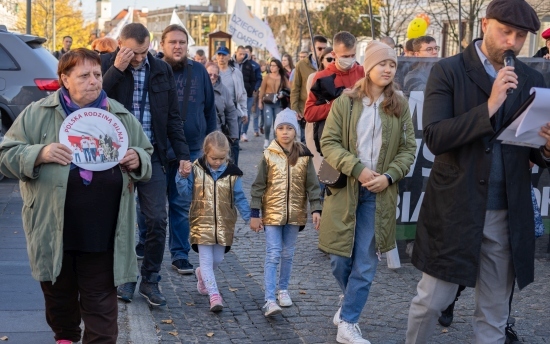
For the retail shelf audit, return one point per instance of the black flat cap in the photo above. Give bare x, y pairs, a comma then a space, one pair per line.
515, 13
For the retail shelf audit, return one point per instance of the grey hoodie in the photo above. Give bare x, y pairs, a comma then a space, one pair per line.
226, 110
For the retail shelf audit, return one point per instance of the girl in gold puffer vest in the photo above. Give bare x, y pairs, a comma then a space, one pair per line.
217, 191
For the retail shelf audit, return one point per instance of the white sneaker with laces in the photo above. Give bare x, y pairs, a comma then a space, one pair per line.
271, 308
350, 334
284, 298
266, 144
244, 138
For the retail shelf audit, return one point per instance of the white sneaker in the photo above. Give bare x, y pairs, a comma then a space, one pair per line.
336, 318
350, 334
284, 298
244, 138
266, 144
271, 308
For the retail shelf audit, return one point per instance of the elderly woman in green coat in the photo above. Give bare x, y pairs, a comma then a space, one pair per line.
79, 224
368, 136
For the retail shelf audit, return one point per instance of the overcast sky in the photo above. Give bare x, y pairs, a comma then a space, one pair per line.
118, 5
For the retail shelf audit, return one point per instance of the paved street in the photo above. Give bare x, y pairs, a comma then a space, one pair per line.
186, 318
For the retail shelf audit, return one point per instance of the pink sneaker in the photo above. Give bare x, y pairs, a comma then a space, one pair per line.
64, 341
200, 283
216, 303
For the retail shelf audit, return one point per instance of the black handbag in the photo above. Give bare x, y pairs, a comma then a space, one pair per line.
330, 176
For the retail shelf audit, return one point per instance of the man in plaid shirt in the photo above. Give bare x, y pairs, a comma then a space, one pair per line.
146, 87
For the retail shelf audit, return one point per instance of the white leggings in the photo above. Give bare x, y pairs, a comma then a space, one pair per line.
210, 257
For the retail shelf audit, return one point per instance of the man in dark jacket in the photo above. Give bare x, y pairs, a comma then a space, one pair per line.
243, 62
476, 225
198, 112
145, 86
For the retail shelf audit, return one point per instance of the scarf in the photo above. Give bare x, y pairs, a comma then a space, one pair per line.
69, 107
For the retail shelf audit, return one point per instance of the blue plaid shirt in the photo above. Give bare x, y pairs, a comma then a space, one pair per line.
139, 80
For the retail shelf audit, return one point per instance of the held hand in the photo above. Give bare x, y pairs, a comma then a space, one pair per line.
299, 115
506, 78
378, 184
131, 160
316, 218
547, 56
185, 168
244, 119
545, 132
54, 153
367, 175
260, 105
123, 58
256, 224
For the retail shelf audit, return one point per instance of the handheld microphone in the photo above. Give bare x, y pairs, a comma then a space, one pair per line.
509, 60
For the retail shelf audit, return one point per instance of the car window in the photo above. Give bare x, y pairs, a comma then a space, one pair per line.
43, 54
6, 61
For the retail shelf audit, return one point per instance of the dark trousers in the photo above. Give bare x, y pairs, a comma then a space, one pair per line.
84, 289
152, 202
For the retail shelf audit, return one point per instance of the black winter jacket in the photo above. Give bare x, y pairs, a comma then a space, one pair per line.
249, 75
163, 100
457, 130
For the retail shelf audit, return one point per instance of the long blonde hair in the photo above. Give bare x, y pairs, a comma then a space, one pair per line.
393, 101
218, 140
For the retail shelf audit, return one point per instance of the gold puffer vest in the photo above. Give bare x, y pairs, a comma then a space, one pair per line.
213, 213
285, 196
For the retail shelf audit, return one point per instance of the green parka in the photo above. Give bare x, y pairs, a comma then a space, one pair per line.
43, 188
337, 231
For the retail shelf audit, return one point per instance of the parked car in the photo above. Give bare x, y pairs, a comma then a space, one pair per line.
28, 72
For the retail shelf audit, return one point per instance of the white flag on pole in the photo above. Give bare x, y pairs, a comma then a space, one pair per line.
176, 20
115, 32
247, 29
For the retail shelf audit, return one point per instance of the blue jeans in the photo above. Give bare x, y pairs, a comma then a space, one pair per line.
235, 147
178, 215
270, 112
152, 201
249, 102
355, 274
280, 242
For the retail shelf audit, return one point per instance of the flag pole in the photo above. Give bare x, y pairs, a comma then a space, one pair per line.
371, 20
311, 34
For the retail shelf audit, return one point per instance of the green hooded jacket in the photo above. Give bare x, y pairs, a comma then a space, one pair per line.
337, 231
43, 188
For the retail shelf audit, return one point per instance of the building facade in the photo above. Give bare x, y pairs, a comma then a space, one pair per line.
8, 13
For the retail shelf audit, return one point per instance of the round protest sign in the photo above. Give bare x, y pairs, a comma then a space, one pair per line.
97, 138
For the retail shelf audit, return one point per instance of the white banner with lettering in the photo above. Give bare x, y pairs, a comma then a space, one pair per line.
115, 32
247, 29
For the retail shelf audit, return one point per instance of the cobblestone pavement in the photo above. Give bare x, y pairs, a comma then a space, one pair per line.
315, 295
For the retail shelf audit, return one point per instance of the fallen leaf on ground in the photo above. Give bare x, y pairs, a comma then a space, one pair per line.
210, 334
173, 333
4, 338
169, 321
303, 292
233, 289
444, 330
249, 275
190, 304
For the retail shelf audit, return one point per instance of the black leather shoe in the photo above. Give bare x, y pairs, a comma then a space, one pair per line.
511, 335
446, 318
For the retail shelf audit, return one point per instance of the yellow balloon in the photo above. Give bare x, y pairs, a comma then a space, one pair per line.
417, 27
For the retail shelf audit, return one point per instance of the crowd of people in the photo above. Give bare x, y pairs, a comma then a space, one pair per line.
328, 115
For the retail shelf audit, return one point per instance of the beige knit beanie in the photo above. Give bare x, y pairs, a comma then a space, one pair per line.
377, 52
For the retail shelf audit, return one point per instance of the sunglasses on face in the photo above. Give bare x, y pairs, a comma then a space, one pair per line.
214, 76
329, 59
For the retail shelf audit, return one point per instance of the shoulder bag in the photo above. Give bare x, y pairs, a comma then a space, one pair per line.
327, 174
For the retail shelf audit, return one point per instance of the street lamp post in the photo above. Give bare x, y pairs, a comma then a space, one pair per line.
53, 25
29, 17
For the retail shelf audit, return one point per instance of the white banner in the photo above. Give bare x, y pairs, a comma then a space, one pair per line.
247, 29
115, 32
176, 20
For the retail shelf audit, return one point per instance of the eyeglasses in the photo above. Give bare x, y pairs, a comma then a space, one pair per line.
329, 59
431, 49
214, 76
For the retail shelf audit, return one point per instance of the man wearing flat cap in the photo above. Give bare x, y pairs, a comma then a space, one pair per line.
544, 51
476, 224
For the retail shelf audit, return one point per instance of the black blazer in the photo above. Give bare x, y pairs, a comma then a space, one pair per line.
163, 101
457, 130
